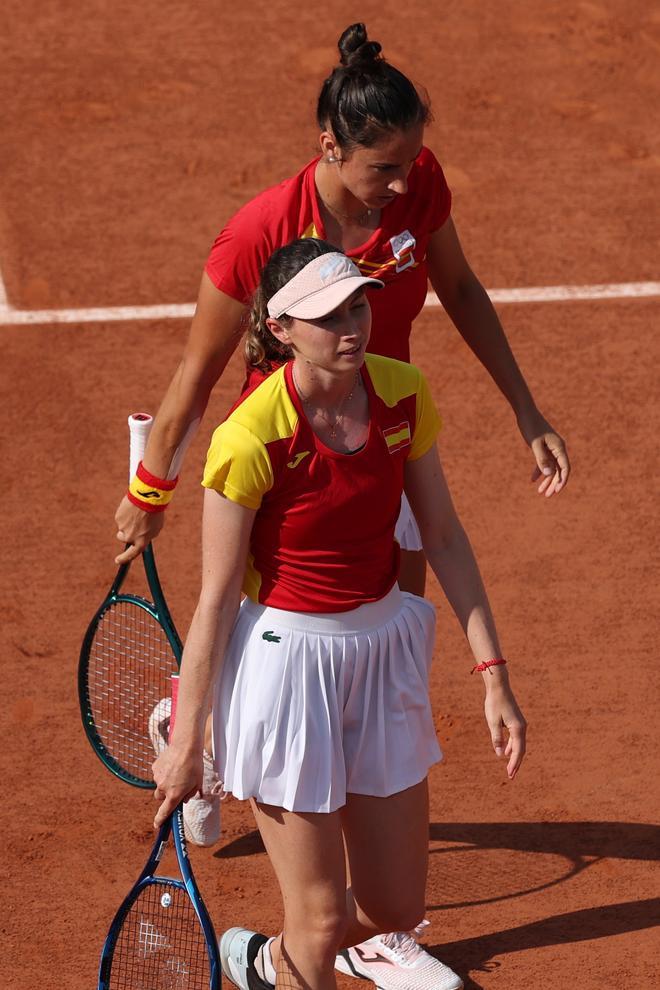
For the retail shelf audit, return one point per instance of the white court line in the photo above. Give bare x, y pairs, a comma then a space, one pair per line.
17, 317
549, 293
563, 293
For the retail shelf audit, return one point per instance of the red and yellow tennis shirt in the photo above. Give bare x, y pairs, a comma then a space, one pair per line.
395, 252
323, 535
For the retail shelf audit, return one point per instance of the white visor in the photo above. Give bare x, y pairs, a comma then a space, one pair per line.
321, 286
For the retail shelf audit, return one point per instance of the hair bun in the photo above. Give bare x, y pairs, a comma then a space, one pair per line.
355, 48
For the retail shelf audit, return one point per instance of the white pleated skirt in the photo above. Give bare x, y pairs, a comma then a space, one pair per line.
406, 532
310, 708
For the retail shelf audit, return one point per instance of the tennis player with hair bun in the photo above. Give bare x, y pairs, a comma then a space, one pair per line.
377, 193
318, 681
380, 195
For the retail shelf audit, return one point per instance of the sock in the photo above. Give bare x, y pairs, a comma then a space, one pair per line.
263, 963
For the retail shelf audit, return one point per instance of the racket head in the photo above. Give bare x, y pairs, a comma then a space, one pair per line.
128, 654
162, 935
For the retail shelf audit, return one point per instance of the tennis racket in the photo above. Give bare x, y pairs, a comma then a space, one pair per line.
162, 937
129, 652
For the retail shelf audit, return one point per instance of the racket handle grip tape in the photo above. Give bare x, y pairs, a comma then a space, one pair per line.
139, 425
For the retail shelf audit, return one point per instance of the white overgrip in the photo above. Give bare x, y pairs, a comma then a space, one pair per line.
139, 426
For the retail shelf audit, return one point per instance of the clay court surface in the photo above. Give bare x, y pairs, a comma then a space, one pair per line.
130, 134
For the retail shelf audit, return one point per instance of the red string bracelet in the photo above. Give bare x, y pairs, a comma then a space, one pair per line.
496, 662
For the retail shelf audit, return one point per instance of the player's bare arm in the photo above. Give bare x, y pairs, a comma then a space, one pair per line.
214, 334
225, 540
449, 553
470, 309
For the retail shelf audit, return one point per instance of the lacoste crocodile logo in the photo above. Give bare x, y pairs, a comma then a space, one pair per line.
270, 637
297, 459
150, 494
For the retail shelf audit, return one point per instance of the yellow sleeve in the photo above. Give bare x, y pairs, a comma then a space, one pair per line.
428, 422
238, 465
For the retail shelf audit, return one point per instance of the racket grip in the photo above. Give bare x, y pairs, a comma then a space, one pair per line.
139, 425
174, 679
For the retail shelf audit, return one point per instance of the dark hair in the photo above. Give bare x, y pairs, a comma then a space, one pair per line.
365, 96
261, 348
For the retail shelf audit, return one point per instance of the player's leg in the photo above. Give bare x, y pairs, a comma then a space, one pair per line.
307, 854
387, 848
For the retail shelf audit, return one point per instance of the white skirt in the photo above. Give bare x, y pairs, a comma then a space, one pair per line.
310, 708
406, 532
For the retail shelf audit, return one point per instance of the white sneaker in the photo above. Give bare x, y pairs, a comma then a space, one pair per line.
398, 962
201, 814
238, 951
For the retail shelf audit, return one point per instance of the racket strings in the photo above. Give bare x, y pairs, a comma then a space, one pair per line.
130, 663
161, 945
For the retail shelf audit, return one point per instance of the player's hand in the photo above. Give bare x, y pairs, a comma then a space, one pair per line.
549, 449
136, 527
178, 778
504, 719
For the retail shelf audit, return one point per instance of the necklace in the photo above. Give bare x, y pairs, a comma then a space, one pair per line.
357, 219
339, 415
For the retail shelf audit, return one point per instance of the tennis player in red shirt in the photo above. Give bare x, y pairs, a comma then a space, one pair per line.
319, 680
376, 192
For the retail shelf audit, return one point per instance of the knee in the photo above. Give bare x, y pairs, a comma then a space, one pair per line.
324, 930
